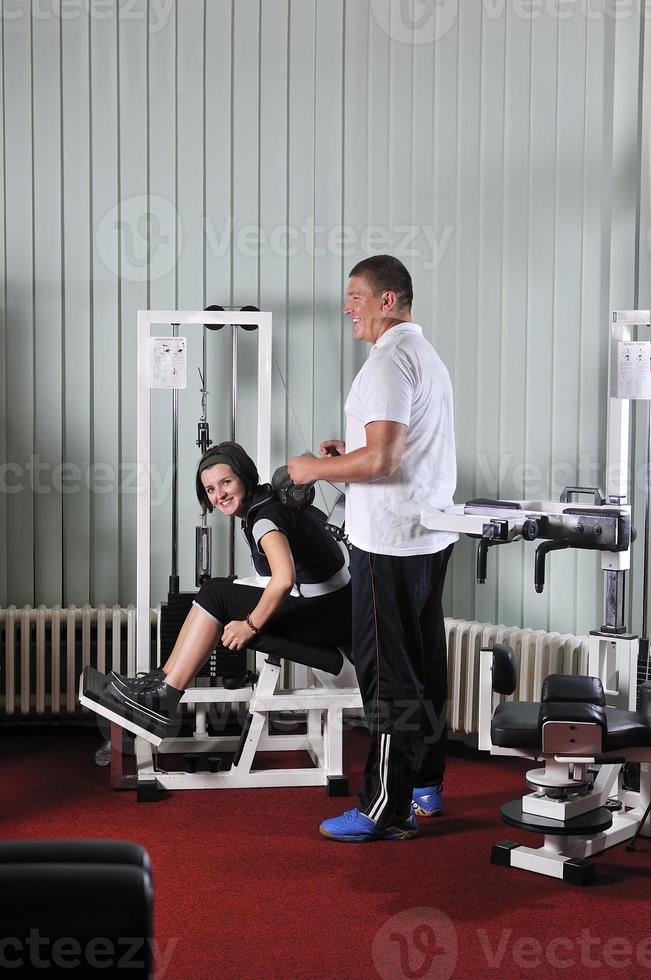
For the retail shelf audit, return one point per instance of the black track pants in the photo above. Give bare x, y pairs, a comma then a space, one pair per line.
401, 664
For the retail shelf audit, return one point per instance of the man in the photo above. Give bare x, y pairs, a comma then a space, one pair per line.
398, 457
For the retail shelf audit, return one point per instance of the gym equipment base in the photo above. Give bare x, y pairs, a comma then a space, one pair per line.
323, 705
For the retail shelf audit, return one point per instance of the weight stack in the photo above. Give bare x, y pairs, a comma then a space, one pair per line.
221, 663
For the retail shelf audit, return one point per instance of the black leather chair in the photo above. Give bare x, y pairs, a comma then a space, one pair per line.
75, 908
578, 800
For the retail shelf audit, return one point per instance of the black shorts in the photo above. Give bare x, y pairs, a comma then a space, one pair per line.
323, 620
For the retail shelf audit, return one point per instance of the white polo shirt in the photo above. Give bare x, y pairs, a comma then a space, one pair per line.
403, 380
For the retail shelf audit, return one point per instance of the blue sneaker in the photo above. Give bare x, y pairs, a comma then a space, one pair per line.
356, 828
427, 801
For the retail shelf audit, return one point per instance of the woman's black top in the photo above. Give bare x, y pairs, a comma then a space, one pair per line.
318, 559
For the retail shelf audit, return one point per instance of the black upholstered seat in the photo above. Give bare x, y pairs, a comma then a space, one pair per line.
329, 659
516, 726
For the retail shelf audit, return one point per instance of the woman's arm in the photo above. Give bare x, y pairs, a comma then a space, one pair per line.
283, 575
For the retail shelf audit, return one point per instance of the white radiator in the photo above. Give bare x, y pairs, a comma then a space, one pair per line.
537, 654
43, 651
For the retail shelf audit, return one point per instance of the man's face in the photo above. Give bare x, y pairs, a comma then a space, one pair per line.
365, 309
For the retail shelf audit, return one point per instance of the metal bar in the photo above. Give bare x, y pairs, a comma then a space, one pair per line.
647, 527
174, 577
234, 342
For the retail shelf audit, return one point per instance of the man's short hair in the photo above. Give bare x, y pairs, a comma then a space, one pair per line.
386, 272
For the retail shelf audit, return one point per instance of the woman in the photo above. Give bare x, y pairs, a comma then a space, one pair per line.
303, 592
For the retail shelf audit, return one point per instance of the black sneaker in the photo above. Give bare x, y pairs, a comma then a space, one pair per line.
134, 684
152, 707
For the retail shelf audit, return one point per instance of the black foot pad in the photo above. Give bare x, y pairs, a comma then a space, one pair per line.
93, 694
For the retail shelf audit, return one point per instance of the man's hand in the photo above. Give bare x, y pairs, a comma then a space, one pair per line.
236, 634
332, 447
302, 469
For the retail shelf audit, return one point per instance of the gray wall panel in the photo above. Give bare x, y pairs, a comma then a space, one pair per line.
139, 252
78, 400
105, 295
48, 313
19, 224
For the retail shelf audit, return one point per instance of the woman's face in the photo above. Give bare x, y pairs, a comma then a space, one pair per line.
225, 490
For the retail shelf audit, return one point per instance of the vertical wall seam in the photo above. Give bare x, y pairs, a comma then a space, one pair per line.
33, 205
506, 216
3, 379
259, 188
500, 353
118, 66
204, 202
581, 304
63, 312
553, 287
231, 287
342, 210
528, 282
91, 300
314, 166
639, 154
148, 137
481, 148
287, 213
176, 153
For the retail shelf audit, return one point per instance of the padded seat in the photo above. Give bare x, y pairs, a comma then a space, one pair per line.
329, 659
515, 726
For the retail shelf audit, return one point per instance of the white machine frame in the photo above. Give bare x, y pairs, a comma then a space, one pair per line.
318, 695
147, 319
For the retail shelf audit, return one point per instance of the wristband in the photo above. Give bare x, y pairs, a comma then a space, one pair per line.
250, 625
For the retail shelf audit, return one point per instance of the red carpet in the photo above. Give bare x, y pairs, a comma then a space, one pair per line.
245, 887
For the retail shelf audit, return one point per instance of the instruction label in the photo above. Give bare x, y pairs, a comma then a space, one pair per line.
638, 318
169, 362
633, 369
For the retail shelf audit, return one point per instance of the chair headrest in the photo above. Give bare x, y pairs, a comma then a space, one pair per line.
570, 687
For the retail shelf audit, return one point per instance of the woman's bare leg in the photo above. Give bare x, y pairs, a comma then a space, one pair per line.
198, 638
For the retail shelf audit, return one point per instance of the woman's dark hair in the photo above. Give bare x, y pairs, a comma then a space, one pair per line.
384, 272
232, 454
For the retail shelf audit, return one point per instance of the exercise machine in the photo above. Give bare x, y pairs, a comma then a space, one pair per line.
315, 685
585, 730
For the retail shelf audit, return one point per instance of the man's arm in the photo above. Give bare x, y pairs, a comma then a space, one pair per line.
380, 457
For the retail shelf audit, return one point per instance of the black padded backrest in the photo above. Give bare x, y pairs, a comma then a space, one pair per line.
505, 675
570, 727
88, 905
74, 852
329, 659
77, 905
572, 711
570, 687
